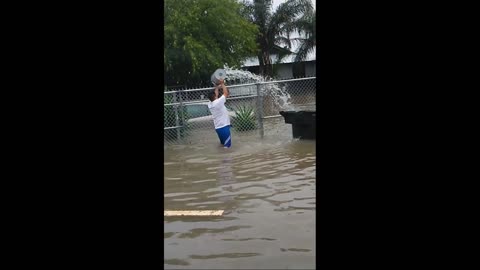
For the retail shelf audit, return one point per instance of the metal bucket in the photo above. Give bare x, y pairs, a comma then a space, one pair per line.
219, 74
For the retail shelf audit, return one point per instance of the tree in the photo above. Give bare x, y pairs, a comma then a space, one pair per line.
203, 35
274, 27
306, 28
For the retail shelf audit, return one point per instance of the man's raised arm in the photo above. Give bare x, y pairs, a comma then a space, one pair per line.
216, 91
225, 90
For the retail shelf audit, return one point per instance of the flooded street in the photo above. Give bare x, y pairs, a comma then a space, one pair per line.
267, 189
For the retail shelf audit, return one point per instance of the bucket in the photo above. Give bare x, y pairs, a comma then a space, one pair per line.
219, 74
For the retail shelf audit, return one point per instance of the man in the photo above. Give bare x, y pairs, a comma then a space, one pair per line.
221, 119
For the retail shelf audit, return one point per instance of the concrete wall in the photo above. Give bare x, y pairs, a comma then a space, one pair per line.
310, 68
284, 71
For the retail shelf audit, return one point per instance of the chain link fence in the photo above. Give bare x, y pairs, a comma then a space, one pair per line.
187, 118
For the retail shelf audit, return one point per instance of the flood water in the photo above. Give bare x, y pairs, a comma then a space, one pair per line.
267, 189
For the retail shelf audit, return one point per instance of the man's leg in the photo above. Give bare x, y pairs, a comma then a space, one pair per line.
224, 136
228, 141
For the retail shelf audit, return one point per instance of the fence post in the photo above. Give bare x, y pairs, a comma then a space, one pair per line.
260, 110
182, 117
175, 109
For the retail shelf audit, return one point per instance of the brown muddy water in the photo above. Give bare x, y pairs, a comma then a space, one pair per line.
267, 189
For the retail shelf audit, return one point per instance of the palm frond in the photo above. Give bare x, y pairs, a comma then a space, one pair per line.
262, 13
284, 17
275, 27
283, 21
281, 40
305, 26
304, 49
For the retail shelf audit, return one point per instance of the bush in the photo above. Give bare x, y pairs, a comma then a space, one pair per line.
244, 118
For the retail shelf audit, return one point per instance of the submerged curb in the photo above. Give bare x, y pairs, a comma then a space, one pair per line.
169, 213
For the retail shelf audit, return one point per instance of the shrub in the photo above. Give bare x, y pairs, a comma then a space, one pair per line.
244, 118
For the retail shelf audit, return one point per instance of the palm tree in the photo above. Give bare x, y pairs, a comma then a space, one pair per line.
307, 30
274, 27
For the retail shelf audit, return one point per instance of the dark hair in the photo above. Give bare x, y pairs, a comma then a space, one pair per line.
211, 95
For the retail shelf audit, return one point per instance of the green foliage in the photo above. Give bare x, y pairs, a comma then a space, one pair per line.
244, 118
203, 35
169, 118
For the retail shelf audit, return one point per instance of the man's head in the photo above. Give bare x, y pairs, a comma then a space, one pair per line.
211, 95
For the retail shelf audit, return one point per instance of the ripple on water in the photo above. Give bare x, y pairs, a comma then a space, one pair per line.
267, 190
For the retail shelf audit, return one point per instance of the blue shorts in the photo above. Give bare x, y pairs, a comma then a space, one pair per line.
224, 136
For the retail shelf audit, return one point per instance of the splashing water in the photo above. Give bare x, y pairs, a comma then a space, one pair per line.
279, 94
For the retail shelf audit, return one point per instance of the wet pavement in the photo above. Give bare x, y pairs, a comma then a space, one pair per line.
267, 189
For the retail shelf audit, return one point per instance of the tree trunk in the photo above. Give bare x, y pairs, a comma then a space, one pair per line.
261, 66
265, 64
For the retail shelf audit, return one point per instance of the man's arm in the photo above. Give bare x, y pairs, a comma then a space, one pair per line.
216, 91
225, 90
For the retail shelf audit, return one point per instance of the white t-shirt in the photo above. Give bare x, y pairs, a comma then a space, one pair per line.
219, 112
